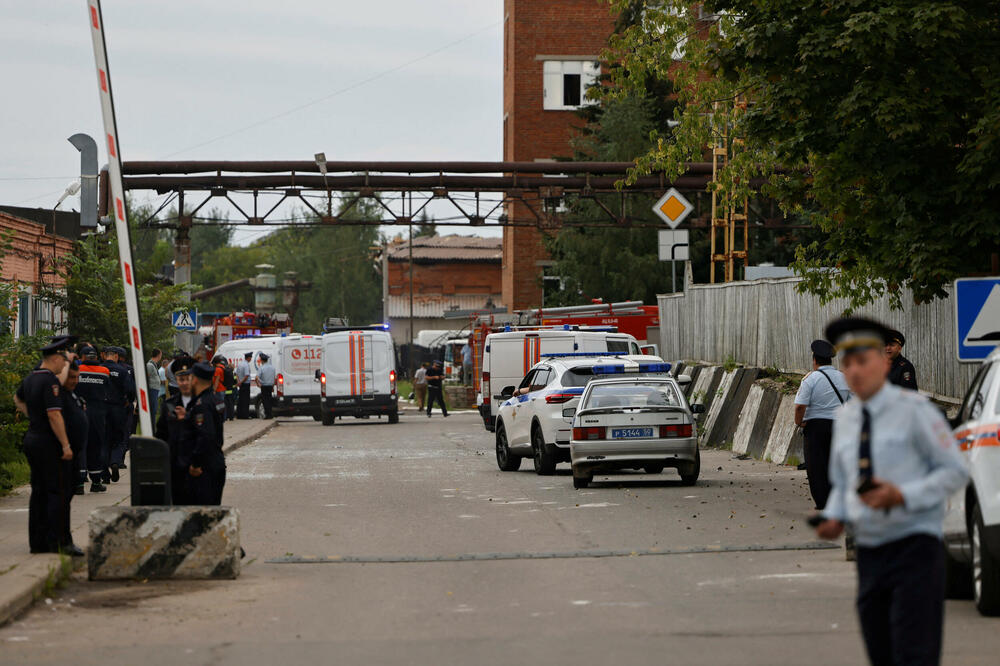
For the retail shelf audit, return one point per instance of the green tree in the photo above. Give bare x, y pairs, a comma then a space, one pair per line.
877, 122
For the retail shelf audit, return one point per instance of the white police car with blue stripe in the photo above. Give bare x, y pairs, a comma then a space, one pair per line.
531, 422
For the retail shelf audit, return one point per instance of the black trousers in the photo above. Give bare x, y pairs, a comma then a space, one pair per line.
205, 490
119, 427
435, 393
243, 401
817, 434
266, 400
230, 405
98, 444
901, 601
51, 493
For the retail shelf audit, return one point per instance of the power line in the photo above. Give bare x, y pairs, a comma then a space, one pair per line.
336, 93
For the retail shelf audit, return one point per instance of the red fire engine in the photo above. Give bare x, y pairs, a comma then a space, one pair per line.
246, 325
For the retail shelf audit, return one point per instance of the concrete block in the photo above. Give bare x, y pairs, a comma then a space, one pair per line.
734, 399
747, 419
139, 542
716, 398
768, 411
783, 433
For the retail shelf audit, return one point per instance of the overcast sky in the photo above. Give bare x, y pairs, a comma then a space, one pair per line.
188, 74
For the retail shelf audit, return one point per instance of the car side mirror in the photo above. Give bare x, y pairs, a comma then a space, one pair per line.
697, 408
683, 380
507, 393
569, 412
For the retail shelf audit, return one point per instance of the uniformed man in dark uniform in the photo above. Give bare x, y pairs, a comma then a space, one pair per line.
131, 415
893, 465
47, 448
117, 411
75, 417
901, 372
170, 426
201, 448
93, 388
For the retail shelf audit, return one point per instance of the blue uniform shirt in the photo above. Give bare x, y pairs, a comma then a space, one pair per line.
818, 396
266, 374
912, 446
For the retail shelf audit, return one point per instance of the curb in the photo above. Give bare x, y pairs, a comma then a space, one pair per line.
29, 581
240, 443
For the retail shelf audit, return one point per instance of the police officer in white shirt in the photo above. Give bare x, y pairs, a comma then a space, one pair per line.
821, 392
266, 375
243, 387
893, 465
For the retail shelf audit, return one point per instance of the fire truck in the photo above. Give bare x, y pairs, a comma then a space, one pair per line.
240, 325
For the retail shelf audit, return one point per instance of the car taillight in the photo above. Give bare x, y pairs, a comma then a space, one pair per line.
322, 384
589, 433
683, 430
485, 388
392, 382
559, 398
280, 382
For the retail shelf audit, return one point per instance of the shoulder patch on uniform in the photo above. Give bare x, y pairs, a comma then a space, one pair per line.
55, 390
199, 419
906, 376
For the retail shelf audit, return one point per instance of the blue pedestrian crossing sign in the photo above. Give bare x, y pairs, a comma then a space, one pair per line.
185, 320
977, 317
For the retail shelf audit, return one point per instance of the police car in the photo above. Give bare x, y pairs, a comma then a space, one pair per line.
972, 520
531, 423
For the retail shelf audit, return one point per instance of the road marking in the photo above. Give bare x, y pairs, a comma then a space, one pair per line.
552, 555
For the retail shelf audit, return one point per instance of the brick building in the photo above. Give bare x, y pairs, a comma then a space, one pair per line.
551, 52
449, 273
38, 238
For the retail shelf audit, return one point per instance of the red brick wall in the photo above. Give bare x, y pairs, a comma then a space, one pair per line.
33, 252
445, 278
539, 28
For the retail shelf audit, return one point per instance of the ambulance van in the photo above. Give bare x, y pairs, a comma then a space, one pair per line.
357, 375
509, 355
295, 358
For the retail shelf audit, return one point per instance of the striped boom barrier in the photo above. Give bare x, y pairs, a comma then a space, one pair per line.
96, 22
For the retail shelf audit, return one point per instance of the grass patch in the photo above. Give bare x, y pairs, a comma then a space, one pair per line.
730, 364
58, 576
793, 461
13, 474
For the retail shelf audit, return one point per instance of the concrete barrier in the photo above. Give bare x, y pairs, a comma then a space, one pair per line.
141, 542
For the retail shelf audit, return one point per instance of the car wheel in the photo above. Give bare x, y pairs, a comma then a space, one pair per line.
393, 417
506, 461
689, 472
957, 578
653, 469
582, 482
327, 418
545, 457
985, 569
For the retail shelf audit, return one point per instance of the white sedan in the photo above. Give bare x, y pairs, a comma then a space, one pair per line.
635, 423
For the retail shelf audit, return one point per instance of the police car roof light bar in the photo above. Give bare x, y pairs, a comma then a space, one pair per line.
621, 369
577, 354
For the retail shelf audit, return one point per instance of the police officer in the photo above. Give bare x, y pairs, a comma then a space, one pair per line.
893, 465
170, 426
93, 387
243, 387
435, 392
131, 413
75, 417
266, 375
201, 444
821, 392
47, 448
117, 410
901, 372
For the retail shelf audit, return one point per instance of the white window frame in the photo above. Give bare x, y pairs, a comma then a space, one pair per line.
553, 80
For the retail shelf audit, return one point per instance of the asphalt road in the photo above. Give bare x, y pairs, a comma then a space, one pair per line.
430, 489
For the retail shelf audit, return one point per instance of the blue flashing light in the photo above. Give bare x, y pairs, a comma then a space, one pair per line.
608, 369
565, 327
582, 354
654, 367
284, 335
385, 327
506, 328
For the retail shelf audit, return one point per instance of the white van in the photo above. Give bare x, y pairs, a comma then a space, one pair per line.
295, 358
508, 356
357, 375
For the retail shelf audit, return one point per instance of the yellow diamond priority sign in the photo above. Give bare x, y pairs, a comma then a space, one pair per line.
672, 208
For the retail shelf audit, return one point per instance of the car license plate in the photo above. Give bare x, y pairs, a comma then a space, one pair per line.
631, 433
300, 399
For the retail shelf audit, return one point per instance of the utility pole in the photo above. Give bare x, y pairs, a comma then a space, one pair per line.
182, 266
410, 346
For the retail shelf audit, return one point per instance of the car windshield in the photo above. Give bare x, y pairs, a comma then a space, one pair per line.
631, 396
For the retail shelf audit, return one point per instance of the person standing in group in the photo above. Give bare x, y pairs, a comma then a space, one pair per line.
47, 447
266, 376
243, 387
153, 377
169, 375
893, 465
170, 426
435, 391
117, 411
77, 429
218, 380
162, 371
201, 445
420, 385
821, 392
901, 372
229, 385
94, 387
467, 363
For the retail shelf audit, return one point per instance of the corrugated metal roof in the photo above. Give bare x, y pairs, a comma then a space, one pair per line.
448, 248
435, 305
